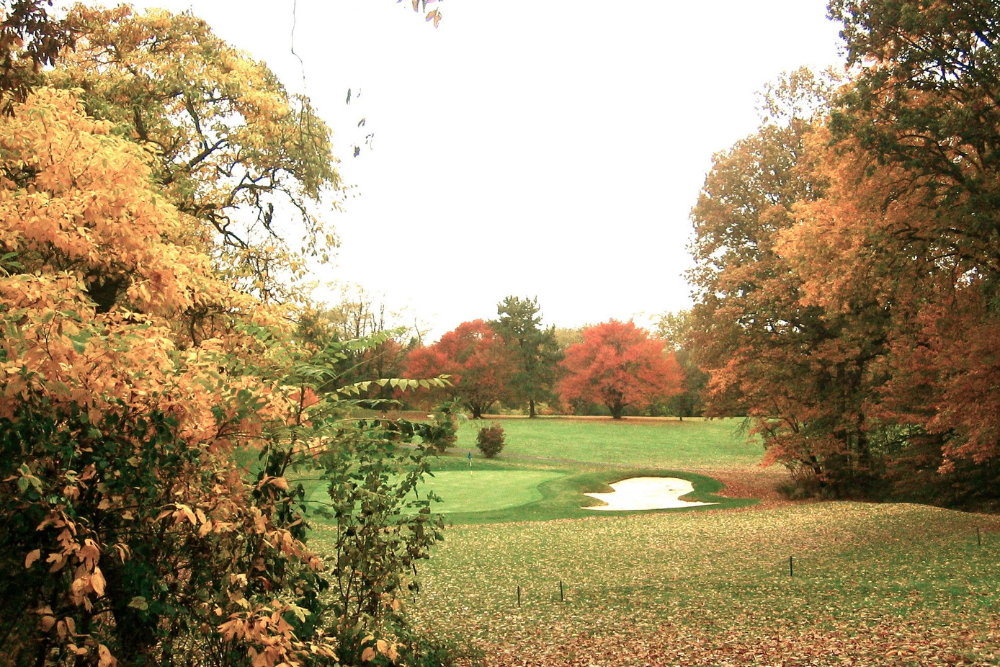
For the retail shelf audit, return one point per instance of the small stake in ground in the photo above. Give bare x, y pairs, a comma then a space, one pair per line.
791, 566
518, 596
561, 598
979, 539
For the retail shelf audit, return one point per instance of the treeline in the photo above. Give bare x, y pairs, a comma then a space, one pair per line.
515, 363
848, 259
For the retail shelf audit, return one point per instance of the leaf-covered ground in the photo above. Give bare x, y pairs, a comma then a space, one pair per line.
872, 585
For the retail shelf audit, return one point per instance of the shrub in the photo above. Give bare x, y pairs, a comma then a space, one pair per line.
490, 440
443, 431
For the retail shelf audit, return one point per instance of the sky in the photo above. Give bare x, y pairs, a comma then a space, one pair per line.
550, 149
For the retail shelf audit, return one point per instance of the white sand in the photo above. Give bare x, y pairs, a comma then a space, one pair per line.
646, 493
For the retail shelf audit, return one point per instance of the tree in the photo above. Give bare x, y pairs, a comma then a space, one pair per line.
619, 365
229, 146
918, 136
800, 371
30, 38
118, 443
359, 317
138, 537
476, 360
675, 330
535, 350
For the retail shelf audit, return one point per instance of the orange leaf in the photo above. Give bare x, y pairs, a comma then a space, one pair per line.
32, 557
106, 659
97, 581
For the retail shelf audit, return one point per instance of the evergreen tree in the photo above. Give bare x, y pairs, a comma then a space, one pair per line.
534, 349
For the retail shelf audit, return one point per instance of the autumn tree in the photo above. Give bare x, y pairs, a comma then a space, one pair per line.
359, 315
135, 535
912, 162
30, 38
535, 350
802, 372
117, 455
619, 365
858, 340
229, 146
675, 331
477, 361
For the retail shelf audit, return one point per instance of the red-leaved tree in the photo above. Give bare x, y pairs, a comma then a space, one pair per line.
620, 365
477, 360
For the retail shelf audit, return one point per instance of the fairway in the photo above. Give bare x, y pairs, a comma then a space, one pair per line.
728, 584
550, 464
693, 444
473, 490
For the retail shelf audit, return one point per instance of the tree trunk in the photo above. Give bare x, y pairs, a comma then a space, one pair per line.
531, 408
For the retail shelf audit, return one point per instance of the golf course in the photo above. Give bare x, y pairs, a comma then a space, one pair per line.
527, 574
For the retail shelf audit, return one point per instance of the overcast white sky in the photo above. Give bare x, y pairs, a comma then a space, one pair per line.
548, 148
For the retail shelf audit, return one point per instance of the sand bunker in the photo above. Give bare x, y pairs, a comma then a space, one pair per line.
646, 493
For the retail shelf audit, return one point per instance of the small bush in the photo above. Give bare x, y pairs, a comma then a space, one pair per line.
443, 431
490, 440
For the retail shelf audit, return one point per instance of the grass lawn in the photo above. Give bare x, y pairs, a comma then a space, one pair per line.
529, 483
692, 444
494, 491
892, 584
872, 585
482, 489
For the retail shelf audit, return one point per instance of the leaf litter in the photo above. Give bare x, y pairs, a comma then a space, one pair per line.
870, 585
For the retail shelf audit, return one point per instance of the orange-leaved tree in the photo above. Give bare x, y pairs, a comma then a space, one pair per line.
121, 503
619, 365
919, 132
135, 534
478, 363
800, 371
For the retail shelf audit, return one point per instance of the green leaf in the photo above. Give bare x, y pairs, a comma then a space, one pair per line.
139, 602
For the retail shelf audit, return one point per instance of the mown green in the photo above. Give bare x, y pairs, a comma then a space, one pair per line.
528, 483
691, 444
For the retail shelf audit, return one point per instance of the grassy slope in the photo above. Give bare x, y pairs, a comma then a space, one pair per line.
876, 584
561, 496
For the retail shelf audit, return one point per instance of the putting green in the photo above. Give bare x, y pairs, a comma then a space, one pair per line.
475, 490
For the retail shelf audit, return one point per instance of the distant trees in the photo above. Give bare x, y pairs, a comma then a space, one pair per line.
477, 361
535, 352
675, 331
619, 365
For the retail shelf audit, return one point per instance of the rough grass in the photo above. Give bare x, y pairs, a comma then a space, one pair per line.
891, 584
873, 584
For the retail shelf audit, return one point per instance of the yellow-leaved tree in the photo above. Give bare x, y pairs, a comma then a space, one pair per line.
146, 353
229, 145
